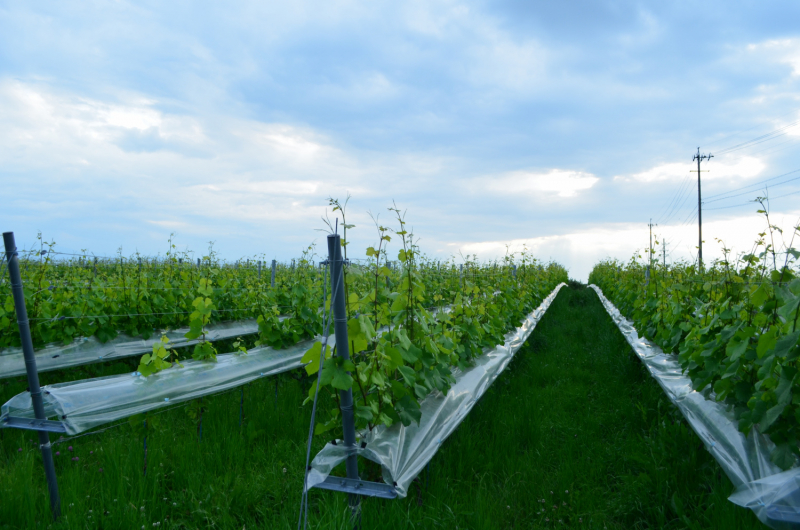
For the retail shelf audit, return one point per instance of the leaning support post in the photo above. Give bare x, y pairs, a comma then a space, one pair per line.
342, 350
30, 367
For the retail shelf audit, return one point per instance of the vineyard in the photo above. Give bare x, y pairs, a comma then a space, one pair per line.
127, 342
733, 327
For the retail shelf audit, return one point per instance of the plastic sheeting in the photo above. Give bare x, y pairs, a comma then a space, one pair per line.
773, 495
404, 451
87, 350
83, 405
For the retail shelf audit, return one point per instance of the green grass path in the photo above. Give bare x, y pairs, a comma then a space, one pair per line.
574, 434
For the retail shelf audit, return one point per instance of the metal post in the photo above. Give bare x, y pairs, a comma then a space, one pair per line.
198, 263
272, 281
342, 350
30, 368
514, 270
259, 269
95, 266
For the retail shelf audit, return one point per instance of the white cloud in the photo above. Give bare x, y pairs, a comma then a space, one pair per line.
745, 168
559, 182
786, 51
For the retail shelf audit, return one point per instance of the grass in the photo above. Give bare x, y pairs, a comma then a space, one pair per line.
574, 434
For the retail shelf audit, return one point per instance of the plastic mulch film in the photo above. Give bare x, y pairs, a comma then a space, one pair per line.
404, 451
87, 350
773, 495
83, 405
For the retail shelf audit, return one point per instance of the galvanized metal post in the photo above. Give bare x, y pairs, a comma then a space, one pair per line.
342, 350
30, 368
259, 269
272, 281
198, 263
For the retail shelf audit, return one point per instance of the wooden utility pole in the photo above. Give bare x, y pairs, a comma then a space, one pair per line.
700, 158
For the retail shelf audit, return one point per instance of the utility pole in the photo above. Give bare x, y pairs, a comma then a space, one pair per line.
650, 262
700, 158
664, 251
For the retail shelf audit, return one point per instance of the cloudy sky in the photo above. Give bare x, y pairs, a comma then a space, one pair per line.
560, 126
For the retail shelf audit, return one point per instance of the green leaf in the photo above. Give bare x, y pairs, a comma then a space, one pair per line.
408, 375
767, 342
377, 379
334, 373
408, 410
146, 370
352, 299
205, 287
785, 344
782, 456
365, 413
411, 354
312, 357
403, 337
394, 354
398, 390
770, 416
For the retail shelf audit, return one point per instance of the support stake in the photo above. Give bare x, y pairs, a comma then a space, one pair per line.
30, 368
342, 350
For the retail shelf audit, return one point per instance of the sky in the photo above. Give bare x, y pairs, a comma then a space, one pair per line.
563, 128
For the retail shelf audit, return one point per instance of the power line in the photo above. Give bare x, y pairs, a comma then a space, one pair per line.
768, 149
746, 192
665, 213
732, 135
751, 202
679, 206
781, 131
692, 215
755, 185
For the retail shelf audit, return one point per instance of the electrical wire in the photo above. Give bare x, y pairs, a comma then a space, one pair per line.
751, 202
679, 206
754, 185
673, 203
732, 135
780, 131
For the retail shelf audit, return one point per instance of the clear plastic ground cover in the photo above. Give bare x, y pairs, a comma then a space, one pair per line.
404, 451
87, 350
761, 486
86, 404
